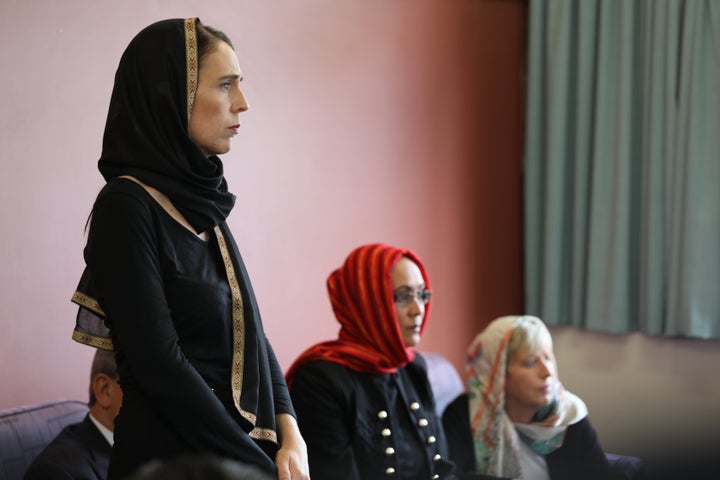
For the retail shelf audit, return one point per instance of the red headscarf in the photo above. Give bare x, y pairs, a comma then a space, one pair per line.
361, 293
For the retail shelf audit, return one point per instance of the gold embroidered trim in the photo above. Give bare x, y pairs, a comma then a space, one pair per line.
238, 326
264, 434
87, 302
191, 62
92, 340
236, 374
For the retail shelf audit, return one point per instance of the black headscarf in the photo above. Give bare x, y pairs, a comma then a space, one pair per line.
146, 134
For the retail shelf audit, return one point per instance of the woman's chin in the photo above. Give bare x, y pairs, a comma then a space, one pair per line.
412, 340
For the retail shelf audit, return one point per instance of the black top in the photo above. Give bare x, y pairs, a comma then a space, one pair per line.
363, 426
580, 456
79, 452
168, 306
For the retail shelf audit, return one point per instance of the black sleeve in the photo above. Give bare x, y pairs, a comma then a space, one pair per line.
591, 451
123, 255
283, 404
581, 454
456, 422
321, 396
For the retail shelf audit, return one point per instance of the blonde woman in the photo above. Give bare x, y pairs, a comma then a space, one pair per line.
516, 419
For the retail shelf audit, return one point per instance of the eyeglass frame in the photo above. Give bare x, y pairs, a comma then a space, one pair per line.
422, 296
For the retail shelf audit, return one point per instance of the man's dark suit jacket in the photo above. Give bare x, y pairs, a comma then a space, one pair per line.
79, 452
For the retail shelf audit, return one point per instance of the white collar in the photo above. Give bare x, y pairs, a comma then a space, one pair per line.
106, 432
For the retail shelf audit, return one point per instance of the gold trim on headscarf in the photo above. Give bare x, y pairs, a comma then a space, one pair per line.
191, 62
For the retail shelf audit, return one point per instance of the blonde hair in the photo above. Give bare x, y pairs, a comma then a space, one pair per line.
529, 335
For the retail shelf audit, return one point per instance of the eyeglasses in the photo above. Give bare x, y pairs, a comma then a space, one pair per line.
403, 298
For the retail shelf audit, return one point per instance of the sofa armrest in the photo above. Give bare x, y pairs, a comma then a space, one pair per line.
626, 467
25, 431
444, 380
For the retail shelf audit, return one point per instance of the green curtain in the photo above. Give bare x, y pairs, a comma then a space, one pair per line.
622, 165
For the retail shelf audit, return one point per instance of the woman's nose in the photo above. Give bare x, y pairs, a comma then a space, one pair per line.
417, 307
545, 369
239, 102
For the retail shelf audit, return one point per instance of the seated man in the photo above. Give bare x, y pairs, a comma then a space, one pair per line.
82, 451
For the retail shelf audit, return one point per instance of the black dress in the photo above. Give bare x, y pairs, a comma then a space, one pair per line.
362, 426
580, 456
168, 305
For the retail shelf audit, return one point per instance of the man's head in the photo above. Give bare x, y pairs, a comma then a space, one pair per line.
105, 392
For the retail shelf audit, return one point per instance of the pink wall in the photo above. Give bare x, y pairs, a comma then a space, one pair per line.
391, 121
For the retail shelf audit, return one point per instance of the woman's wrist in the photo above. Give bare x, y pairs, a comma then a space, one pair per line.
289, 430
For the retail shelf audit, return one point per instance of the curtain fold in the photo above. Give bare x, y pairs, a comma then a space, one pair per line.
622, 166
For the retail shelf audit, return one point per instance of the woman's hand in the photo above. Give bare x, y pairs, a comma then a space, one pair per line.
291, 460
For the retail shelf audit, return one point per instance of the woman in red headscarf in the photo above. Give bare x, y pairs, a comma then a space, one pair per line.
364, 403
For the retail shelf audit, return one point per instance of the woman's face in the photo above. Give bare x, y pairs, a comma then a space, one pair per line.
407, 281
214, 119
529, 383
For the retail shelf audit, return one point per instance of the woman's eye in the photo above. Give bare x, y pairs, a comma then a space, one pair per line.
403, 297
225, 85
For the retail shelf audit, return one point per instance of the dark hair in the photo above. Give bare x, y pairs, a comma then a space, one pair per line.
199, 467
207, 38
103, 362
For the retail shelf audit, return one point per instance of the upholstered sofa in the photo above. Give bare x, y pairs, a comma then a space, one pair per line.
26, 430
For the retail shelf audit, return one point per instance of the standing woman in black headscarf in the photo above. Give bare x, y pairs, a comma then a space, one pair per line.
164, 285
